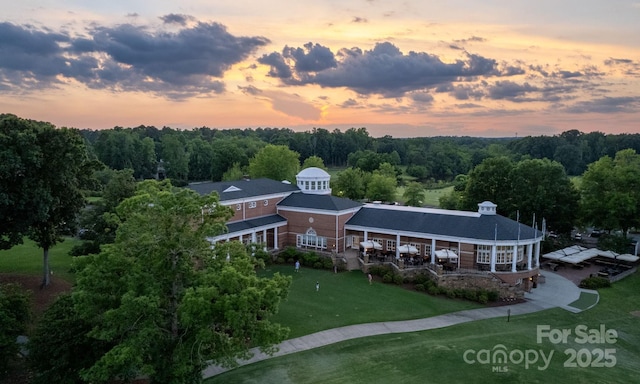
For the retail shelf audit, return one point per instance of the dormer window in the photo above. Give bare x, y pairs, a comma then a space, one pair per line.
252, 204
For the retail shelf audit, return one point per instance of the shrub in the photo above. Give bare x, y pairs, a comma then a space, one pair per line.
327, 263
263, 255
493, 295
310, 259
469, 294
595, 282
483, 298
290, 253
14, 316
420, 287
387, 278
420, 279
451, 293
280, 260
317, 265
433, 290
85, 248
398, 279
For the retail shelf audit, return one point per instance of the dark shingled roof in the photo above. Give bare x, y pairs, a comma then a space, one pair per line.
242, 189
482, 227
322, 202
255, 223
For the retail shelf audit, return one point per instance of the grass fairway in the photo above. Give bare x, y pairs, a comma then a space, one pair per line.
27, 259
347, 298
437, 356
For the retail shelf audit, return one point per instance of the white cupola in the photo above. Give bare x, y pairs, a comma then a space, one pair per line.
314, 181
487, 208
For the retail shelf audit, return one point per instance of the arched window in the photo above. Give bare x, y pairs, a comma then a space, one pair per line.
311, 240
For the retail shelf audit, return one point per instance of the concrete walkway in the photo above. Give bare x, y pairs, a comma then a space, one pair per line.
555, 292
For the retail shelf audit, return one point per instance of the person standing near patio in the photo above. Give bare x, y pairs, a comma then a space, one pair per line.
370, 278
297, 266
317, 286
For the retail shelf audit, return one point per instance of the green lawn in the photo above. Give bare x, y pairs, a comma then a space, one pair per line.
27, 259
437, 356
347, 298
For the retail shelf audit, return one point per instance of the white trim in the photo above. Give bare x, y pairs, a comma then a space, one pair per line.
424, 235
318, 211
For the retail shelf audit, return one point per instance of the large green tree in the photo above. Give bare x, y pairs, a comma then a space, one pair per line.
350, 183
60, 348
541, 188
489, 181
166, 301
276, 162
611, 192
414, 194
43, 183
19, 187
381, 188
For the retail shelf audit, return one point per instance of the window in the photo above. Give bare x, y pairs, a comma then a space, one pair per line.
266, 202
504, 254
427, 249
483, 254
417, 246
311, 239
377, 240
252, 204
238, 207
391, 245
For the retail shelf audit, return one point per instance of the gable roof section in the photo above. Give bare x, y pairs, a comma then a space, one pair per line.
319, 202
455, 224
243, 189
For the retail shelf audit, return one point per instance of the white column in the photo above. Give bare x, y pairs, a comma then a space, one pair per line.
514, 258
397, 246
240, 237
264, 239
433, 251
366, 235
529, 254
538, 254
494, 250
275, 238
253, 237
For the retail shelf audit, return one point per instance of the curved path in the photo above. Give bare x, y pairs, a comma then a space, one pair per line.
555, 292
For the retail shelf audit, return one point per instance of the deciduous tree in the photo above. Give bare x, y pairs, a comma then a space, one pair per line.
275, 162
167, 302
414, 194
611, 192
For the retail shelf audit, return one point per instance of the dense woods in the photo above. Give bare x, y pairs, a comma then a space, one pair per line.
206, 154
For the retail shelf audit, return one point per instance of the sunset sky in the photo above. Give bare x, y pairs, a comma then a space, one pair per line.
403, 68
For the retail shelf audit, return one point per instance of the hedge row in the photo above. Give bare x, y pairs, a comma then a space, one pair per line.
422, 283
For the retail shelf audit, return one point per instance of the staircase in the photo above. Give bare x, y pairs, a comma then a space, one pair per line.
351, 257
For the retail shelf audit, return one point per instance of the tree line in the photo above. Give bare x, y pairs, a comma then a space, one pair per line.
206, 154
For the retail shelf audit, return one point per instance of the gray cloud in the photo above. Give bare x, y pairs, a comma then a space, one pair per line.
510, 90
174, 18
357, 19
383, 70
29, 57
607, 105
125, 57
311, 58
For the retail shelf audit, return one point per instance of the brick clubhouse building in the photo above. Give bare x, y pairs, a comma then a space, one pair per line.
461, 244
